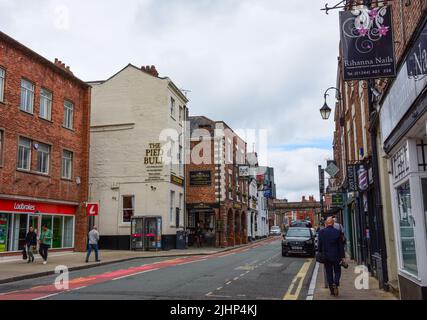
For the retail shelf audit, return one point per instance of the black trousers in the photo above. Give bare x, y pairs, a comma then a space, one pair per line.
333, 273
43, 251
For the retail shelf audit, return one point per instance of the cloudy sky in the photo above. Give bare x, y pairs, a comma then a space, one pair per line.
261, 65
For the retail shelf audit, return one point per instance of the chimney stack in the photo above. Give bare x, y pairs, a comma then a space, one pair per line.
150, 70
62, 65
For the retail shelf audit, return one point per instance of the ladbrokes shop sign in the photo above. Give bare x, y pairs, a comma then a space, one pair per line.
367, 43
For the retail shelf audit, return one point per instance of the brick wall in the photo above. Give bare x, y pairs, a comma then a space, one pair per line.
19, 62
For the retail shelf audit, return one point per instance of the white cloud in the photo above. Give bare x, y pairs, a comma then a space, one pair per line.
298, 171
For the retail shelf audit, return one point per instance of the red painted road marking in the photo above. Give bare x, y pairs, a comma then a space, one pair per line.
42, 292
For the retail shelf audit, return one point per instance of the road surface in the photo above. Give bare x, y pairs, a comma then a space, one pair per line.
255, 272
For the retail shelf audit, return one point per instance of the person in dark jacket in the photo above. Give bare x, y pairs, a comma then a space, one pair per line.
31, 243
332, 247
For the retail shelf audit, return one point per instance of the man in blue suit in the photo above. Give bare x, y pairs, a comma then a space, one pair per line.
332, 247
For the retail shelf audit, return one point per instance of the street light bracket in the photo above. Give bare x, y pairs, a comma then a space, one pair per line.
339, 96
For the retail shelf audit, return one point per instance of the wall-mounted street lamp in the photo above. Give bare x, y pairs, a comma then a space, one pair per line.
325, 111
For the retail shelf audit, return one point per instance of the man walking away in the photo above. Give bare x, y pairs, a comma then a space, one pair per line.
93, 244
31, 243
332, 246
45, 242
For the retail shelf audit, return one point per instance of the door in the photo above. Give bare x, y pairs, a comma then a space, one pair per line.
20, 227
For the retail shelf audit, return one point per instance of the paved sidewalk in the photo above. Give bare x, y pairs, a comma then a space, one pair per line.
347, 290
15, 269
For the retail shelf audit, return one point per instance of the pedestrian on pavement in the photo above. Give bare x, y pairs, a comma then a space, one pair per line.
31, 244
45, 243
199, 235
340, 228
93, 236
332, 247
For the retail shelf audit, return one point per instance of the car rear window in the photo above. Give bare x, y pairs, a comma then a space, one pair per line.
298, 233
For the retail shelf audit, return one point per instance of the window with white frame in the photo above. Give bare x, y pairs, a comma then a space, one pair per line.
172, 206
128, 205
172, 108
180, 114
24, 154
181, 167
43, 158
45, 104
2, 84
68, 114
67, 164
27, 96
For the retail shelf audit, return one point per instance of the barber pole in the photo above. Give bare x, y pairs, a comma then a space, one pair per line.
363, 178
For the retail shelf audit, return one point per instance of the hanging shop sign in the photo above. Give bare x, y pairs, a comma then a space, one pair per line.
92, 209
337, 200
244, 171
200, 178
416, 62
367, 43
362, 176
332, 169
321, 181
352, 178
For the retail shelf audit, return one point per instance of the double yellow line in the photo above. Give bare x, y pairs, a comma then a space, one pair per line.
298, 279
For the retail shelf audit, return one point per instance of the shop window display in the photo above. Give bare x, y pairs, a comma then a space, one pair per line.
5, 226
407, 229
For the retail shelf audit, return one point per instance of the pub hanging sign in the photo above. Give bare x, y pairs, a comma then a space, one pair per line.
367, 43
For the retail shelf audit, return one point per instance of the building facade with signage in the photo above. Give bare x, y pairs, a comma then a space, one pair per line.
258, 218
216, 196
381, 221
403, 119
44, 149
137, 155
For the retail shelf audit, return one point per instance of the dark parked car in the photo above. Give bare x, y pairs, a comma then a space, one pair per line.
301, 224
299, 241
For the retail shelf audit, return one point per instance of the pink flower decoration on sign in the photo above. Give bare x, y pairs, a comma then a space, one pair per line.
383, 30
373, 14
363, 31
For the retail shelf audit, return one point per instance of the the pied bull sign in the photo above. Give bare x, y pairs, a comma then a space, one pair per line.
367, 43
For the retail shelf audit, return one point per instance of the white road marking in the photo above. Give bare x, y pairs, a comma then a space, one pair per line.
229, 282
134, 274
48, 296
310, 295
236, 278
218, 289
79, 288
217, 296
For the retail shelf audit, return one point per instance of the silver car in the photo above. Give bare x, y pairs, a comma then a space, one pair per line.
275, 231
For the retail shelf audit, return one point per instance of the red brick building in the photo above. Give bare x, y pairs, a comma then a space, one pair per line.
44, 149
215, 196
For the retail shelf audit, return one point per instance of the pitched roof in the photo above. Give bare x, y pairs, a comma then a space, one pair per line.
14, 43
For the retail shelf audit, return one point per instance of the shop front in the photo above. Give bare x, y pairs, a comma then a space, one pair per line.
404, 131
16, 217
202, 217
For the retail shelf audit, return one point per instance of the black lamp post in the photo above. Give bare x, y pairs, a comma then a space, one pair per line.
325, 111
